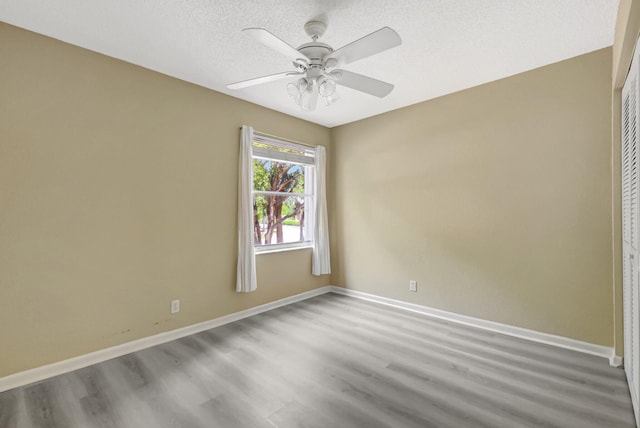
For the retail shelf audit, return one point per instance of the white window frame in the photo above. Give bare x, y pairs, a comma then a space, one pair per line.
307, 159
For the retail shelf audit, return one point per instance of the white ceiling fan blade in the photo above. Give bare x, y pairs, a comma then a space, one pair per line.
362, 83
261, 80
275, 43
371, 44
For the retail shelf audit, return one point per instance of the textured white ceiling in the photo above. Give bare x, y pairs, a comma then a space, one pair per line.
448, 45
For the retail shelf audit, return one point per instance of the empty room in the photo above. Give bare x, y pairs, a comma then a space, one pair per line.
339, 213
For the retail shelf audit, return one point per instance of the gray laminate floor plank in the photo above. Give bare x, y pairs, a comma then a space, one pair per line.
9, 409
605, 386
332, 361
438, 398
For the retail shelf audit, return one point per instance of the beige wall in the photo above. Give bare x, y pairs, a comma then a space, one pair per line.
496, 199
117, 195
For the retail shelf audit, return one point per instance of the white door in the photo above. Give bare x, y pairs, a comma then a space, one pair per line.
630, 205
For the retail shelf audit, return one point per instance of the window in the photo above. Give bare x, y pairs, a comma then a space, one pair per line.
283, 197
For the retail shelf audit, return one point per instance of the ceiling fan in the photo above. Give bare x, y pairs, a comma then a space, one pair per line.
317, 64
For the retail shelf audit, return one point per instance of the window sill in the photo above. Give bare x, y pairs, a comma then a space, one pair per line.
282, 249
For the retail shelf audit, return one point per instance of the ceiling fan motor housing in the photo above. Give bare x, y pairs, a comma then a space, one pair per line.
315, 50
315, 29
315, 53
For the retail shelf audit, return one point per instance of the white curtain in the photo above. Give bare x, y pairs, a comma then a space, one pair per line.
246, 277
321, 263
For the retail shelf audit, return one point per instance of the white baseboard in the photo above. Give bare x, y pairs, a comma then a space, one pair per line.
44, 372
615, 360
523, 333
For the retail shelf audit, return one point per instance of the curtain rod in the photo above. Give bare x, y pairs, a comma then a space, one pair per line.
286, 140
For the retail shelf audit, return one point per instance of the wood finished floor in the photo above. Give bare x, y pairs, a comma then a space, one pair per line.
331, 362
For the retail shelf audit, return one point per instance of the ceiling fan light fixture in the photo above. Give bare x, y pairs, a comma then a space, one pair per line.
335, 75
331, 99
301, 65
294, 92
308, 100
330, 64
326, 86
303, 84
305, 91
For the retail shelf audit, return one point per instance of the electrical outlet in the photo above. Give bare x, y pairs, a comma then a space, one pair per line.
413, 285
175, 306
